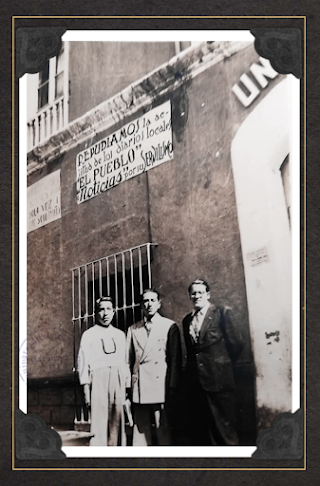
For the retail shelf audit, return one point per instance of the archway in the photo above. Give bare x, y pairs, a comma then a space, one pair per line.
258, 151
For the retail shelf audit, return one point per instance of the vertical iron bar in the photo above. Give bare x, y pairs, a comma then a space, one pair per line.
149, 265
140, 271
93, 297
86, 321
73, 290
124, 292
116, 287
79, 326
100, 279
108, 278
140, 278
74, 348
132, 281
79, 297
75, 381
132, 286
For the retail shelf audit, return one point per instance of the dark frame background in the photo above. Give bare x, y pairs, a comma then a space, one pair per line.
244, 477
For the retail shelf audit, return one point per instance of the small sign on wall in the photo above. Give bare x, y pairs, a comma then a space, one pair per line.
44, 201
135, 148
258, 257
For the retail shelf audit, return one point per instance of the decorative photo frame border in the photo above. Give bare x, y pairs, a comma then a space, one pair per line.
273, 443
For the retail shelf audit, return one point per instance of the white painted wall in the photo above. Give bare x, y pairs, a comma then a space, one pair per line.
258, 150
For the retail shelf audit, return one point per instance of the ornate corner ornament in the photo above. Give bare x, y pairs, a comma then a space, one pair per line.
283, 440
34, 440
283, 48
34, 46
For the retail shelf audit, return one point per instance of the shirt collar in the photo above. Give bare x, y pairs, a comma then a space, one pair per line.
154, 319
105, 328
202, 311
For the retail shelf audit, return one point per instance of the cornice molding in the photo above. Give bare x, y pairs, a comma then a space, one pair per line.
142, 93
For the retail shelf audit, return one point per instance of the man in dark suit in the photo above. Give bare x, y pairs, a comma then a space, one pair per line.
212, 345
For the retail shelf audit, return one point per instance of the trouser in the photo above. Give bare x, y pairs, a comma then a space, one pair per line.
107, 422
211, 417
151, 426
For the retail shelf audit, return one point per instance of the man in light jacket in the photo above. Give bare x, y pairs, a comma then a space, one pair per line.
154, 359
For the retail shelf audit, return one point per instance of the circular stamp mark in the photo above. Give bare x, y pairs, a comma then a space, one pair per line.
50, 350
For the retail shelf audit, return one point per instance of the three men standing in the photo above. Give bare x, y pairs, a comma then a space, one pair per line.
212, 345
154, 359
154, 362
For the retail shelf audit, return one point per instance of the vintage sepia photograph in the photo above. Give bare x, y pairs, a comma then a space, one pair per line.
159, 243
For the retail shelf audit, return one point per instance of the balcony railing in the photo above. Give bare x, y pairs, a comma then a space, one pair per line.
48, 121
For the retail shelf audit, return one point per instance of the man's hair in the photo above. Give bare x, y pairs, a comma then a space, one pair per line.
199, 281
155, 291
102, 299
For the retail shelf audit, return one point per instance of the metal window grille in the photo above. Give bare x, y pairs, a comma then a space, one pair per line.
122, 276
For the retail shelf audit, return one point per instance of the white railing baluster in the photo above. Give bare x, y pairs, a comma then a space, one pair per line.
30, 136
54, 119
41, 132
62, 112
48, 121
36, 131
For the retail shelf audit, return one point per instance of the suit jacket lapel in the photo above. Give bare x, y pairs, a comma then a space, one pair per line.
141, 337
155, 327
207, 321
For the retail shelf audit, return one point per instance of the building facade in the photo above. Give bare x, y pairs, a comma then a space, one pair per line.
151, 166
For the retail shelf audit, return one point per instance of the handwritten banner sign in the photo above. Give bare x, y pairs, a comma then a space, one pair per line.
135, 148
44, 201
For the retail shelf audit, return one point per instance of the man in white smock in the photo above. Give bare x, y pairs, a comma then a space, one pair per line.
102, 374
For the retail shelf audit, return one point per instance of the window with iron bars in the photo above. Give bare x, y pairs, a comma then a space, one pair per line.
122, 276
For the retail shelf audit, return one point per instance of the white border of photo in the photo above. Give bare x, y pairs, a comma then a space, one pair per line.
163, 36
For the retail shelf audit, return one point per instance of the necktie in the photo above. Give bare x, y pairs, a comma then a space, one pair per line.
148, 327
196, 324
